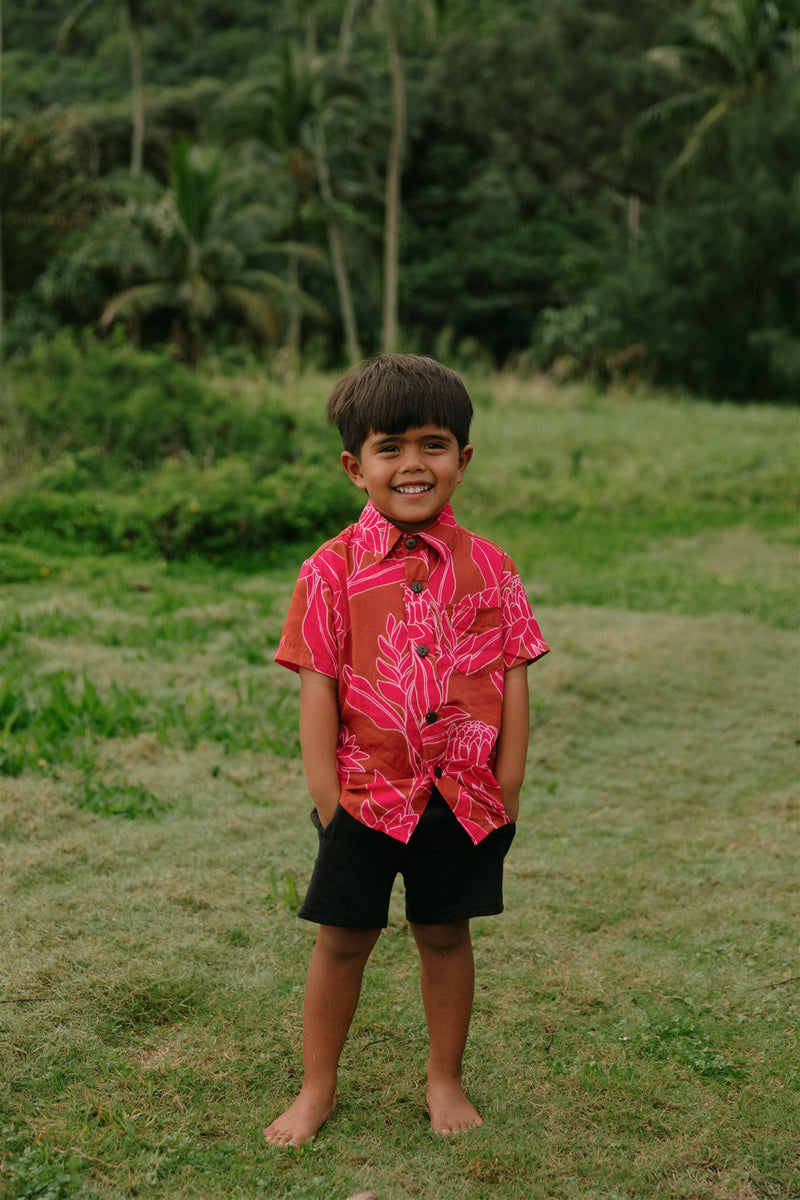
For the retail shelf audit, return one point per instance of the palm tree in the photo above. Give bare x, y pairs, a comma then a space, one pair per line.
389, 16
297, 117
723, 57
196, 252
133, 13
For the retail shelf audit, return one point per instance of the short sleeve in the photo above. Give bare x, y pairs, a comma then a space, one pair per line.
522, 637
309, 639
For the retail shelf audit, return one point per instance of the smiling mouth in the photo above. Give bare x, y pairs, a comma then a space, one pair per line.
413, 489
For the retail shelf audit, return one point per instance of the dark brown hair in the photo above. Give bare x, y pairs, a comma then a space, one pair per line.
395, 392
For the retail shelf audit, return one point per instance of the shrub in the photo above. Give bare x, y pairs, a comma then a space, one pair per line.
121, 408
183, 509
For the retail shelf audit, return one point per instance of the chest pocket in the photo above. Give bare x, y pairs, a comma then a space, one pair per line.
476, 638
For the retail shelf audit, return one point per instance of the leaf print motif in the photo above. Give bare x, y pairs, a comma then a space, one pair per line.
469, 744
318, 631
365, 699
521, 629
374, 575
472, 632
392, 663
388, 806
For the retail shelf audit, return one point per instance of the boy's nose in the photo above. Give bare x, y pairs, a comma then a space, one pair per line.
412, 459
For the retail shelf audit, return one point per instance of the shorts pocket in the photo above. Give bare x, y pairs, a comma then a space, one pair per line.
324, 830
505, 835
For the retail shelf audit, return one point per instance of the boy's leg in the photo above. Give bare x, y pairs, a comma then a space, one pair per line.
333, 987
447, 976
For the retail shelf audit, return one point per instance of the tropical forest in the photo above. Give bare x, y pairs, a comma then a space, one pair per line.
580, 186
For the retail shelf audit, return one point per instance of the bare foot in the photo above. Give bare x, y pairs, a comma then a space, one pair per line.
450, 1110
301, 1120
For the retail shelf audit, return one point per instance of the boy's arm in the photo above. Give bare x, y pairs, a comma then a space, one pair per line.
512, 742
319, 733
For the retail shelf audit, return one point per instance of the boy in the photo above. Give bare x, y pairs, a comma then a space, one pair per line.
412, 639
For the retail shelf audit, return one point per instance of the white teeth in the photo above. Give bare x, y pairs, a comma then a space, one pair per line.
413, 489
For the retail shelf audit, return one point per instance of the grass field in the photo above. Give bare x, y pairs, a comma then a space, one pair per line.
635, 1027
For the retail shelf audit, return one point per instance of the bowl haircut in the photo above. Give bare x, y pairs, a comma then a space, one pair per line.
395, 392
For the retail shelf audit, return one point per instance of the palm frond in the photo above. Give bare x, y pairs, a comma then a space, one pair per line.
259, 312
138, 301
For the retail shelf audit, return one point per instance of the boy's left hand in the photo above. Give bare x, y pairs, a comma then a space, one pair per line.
511, 803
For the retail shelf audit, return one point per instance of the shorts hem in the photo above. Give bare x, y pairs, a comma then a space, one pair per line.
467, 916
343, 923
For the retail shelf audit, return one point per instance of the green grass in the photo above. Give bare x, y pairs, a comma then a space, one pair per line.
635, 1027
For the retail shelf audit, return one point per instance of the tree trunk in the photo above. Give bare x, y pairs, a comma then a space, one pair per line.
338, 261
394, 175
293, 330
323, 174
346, 32
137, 90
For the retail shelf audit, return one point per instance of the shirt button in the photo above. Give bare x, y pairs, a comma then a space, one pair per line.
410, 543
431, 717
437, 772
417, 587
422, 651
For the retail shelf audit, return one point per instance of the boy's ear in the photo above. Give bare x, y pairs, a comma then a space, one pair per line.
463, 459
353, 469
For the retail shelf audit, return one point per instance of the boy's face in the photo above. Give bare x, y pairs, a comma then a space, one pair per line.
409, 476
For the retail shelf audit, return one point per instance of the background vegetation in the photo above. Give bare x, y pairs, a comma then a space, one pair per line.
582, 186
635, 1032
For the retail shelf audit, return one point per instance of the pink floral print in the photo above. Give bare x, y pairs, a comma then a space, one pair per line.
419, 632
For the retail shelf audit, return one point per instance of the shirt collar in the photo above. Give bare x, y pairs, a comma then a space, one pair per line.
379, 536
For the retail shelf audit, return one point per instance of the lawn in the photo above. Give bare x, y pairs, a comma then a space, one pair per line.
635, 1026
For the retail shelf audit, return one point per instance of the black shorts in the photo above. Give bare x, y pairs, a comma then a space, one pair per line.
447, 877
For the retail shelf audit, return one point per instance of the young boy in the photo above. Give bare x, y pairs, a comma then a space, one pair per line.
412, 639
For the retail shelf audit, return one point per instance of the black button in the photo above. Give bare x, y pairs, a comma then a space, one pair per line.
422, 651
417, 587
437, 772
431, 717
410, 543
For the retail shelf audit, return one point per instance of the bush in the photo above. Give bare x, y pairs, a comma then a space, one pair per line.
183, 509
225, 510
120, 408
128, 451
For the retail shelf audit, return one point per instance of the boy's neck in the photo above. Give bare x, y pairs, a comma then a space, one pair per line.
411, 527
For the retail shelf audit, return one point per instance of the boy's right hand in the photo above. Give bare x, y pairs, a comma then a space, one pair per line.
326, 810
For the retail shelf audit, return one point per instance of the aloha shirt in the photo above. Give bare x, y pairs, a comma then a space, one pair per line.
419, 631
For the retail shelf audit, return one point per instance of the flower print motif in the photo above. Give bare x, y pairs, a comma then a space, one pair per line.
350, 758
469, 744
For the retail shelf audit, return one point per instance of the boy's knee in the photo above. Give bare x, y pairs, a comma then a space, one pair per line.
346, 944
441, 939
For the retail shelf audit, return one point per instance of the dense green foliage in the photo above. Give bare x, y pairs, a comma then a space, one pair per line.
124, 450
584, 186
